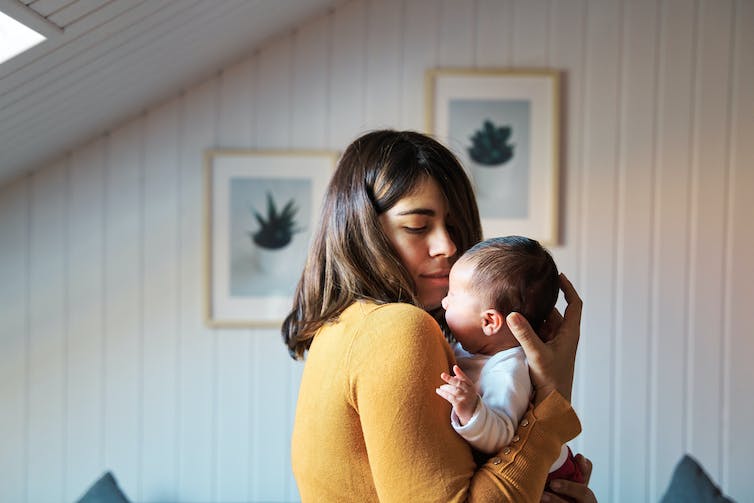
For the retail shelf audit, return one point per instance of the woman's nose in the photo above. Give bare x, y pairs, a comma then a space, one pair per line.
442, 244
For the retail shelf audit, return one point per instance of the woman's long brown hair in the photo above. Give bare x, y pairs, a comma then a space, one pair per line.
351, 258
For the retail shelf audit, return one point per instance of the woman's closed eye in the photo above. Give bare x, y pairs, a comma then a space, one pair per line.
415, 230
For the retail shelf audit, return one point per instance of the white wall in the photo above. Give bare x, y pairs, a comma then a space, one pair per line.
104, 359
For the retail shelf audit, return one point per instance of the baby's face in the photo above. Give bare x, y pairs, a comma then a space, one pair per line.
463, 310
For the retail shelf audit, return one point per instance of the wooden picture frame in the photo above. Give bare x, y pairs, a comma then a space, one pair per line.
260, 211
503, 125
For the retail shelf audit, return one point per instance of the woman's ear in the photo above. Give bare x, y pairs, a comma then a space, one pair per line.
492, 321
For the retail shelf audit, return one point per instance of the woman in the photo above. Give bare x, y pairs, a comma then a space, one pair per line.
369, 427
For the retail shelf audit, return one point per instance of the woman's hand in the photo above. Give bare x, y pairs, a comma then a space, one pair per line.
565, 491
551, 363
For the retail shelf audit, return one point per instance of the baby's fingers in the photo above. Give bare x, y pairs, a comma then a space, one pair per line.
448, 392
456, 381
460, 375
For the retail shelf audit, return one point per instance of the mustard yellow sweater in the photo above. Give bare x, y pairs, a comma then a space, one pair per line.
370, 427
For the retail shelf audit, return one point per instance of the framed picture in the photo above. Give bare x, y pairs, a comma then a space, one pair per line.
261, 209
503, 127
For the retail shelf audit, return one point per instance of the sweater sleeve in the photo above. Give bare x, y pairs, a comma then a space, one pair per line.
394, 366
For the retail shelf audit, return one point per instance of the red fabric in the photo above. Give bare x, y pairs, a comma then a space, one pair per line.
569, 470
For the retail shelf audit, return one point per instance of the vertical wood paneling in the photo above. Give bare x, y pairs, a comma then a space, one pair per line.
85, 328
234, 415
275, 93
270, 361
457, 33
567, 52
420, 27
348, 73
383, 54
272, 365
296, 370
14, 351
122, 311
233, 346
671, 236
494, 27
105, 361
530, 32
236, 115
46, 393
635, 178
197, 344
158, 456
738, 411
710, 178
311, 84
599, 247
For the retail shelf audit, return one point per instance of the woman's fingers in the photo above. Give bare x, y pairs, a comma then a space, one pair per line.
571, 295
572, 315
574, 490
525, 335
544, 376
548, 497
585, 465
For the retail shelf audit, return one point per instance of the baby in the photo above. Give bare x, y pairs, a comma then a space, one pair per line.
491, 390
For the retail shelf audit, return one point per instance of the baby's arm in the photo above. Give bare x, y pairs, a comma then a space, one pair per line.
506, 391
486, 429
459, 391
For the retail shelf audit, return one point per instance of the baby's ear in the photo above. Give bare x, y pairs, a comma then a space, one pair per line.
492, 321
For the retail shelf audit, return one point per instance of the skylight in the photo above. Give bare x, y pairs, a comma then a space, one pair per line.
15, 38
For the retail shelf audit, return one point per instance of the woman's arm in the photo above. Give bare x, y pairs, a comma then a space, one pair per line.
551, 365
413, 452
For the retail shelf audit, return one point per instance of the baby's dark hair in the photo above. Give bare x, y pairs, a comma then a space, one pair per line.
515, 273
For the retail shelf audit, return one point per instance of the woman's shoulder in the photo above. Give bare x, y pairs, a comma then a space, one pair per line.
395, 311
393, 323
397, 342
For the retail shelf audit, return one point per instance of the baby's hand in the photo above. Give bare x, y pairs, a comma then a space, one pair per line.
459, 391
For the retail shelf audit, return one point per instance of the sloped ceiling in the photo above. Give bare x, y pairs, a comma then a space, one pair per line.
105, 61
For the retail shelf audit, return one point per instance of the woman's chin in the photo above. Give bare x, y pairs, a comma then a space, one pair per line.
430, 297
431, 303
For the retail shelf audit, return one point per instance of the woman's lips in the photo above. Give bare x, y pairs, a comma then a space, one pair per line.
440, 276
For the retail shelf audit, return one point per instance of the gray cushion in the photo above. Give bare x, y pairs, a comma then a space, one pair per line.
691, 484
105, 490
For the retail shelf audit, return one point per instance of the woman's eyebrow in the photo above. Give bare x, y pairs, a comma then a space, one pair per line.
417, 211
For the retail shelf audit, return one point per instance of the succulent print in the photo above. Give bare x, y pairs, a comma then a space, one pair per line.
490, 145
277, 229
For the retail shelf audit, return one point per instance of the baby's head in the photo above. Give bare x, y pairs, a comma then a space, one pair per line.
492, 279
